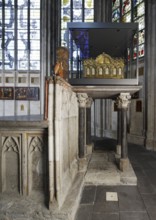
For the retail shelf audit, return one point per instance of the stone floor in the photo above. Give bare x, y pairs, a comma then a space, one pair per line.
133, 202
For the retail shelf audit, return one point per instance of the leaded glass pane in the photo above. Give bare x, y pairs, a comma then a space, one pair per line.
34, 24
63, 25
35, 14
141, 22
139, 10
115, 4
127, 17
126, 6
35, 45
9, 59
141, 50
77, 14
65, 3
141, 37
89, 13
89, 3
65, 14
22, 61
34, 65
77, 3
136, 2
35, 55
35, 4
116, 15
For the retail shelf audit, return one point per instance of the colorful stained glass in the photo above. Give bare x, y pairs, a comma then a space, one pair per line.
139, 10
142, 37
127, 17
136, 2
115, 4
116, 15
126, 6
141, 50
141, 22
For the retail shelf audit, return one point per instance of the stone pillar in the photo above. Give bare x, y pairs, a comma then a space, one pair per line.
82, 100
103, 10
150, 74
118, 146
88, 125
122, 103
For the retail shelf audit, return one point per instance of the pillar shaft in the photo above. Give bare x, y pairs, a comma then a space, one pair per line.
82, 100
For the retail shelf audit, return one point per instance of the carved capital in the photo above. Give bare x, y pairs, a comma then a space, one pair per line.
89, 102
82, 99
123, 100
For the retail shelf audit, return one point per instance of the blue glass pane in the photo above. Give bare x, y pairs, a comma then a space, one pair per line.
9, 49
77, 3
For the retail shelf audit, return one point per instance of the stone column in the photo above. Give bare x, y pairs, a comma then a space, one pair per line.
82, 100
88, 125
118, 146
122, 102
150, 74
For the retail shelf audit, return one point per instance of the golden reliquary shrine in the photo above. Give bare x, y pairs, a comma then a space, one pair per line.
103, 66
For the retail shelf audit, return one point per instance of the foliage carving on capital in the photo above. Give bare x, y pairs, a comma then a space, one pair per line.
82, 99
89, 102
123, 100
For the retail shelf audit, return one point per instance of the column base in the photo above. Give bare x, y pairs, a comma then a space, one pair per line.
118, 150
124, 164
82, 164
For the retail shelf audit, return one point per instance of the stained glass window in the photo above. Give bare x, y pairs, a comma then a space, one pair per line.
131, 11
20, 38
75, 11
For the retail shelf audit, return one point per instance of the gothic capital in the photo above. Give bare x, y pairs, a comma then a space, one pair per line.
82, 99
123, 100
89, 102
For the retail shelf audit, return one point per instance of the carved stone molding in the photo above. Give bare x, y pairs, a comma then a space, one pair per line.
60, 81
89, 102
123, 100
82, 99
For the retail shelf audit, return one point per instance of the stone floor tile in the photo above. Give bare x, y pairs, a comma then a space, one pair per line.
134, 216
130, 200
149, 201
107, 206
145, 185
152, 215
105, 216
88, 195
84, 212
